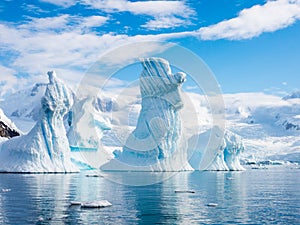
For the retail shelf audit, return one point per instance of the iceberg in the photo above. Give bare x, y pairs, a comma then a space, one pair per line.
92, 204
85, 133
96, 204
157, 143
227, 153
45, 149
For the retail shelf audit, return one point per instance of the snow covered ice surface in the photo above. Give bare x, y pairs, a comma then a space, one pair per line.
85, 133
157, 143
45, 148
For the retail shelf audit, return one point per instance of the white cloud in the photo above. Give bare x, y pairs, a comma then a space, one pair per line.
152, 8
165, 22
33, 8
8, 80
64, 3
63, 23
47, 23
66, 42
166, 14
93, 21
191, 88
39, 49
252, 22
136, 47
9, 83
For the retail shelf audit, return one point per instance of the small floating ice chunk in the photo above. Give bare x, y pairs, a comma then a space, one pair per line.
185, 192
96, 204
212, 204
6, 190
75, 203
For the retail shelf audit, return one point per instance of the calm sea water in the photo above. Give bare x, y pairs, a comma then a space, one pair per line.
269, 196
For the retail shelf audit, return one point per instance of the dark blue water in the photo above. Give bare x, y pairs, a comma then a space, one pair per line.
269, 196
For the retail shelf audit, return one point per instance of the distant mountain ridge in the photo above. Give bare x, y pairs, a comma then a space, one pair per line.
293, 95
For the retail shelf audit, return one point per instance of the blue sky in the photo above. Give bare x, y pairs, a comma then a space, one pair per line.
250, 45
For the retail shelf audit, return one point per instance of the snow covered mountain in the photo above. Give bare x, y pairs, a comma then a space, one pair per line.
7, 127
23, 107
27, 101
269, 125
295, 94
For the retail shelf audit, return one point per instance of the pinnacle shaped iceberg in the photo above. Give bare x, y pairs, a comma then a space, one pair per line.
157, 143
45, 148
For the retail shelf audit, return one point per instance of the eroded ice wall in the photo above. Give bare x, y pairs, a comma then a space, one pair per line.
227, 153
157, 143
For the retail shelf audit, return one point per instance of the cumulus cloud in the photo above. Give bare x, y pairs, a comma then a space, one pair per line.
254, 21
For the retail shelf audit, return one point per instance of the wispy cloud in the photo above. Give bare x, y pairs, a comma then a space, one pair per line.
165, 22
151, 8
252, 22
63, 23
9, 81
63, 3
33, 9
165, 14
